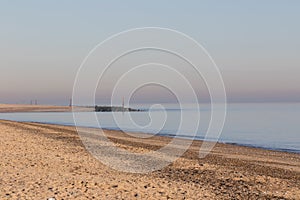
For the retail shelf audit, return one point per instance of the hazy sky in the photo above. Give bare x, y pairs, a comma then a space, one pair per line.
256, 44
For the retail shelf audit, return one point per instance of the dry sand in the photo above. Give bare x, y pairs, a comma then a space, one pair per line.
41, 161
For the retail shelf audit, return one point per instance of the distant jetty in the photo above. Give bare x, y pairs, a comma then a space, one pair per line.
115, 109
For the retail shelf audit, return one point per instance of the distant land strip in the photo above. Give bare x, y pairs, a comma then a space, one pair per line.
115, 109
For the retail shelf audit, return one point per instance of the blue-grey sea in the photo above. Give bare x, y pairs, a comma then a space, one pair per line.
266, 125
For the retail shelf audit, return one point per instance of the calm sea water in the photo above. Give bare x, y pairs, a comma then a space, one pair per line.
272, 126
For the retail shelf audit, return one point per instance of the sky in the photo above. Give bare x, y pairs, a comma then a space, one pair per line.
255, 44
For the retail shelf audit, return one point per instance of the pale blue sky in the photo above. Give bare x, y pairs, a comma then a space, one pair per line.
256, 44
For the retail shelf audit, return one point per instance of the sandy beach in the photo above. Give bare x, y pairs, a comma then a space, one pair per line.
40, 161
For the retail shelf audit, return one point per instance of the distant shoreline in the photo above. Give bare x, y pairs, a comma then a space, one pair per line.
115, 109
17, 108
14, 108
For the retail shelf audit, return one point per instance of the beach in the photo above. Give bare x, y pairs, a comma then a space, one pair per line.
41, 161
135, 100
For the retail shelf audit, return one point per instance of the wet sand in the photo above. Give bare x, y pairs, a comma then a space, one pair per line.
39, 161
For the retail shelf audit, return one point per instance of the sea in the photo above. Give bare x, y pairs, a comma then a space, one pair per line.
274, 126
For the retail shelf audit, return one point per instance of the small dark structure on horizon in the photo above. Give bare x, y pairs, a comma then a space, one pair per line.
115, 109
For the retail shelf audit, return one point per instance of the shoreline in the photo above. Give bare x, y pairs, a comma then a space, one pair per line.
32, 152
169, 136
25, 108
